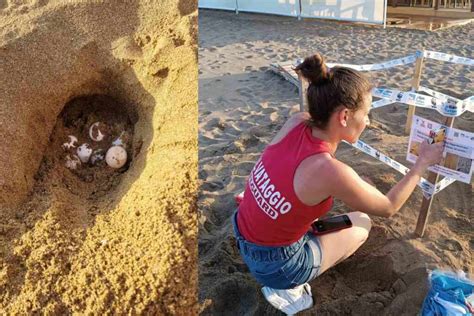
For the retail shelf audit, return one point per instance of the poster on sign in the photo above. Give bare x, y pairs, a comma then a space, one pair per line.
458, 150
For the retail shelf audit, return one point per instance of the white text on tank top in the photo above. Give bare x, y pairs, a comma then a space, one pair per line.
268, 198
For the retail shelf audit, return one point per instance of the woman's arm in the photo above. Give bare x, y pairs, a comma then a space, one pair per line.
346, 185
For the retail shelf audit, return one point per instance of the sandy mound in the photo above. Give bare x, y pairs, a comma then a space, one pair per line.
242, 105
96, 240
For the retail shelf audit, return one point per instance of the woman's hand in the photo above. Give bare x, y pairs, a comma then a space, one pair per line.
430, 154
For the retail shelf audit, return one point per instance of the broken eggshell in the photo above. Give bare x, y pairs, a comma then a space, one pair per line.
84, 152
97, 156
72, 161
97, 131
121, 140
71, 144
116, 157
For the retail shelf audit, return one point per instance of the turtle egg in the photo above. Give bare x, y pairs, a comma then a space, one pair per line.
72, 162
72, 141
116, 157
95, 132
84, 152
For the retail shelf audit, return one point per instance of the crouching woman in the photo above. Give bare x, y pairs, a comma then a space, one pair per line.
294, 183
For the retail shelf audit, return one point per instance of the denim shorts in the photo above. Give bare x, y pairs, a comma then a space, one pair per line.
281, 267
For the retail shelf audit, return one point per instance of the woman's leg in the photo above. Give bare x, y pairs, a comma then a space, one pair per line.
339, 245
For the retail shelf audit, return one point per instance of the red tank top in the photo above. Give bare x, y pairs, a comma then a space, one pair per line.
270, 213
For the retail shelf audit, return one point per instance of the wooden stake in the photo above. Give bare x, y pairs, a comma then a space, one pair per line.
303, 89
425, 207
415, 85
426, 203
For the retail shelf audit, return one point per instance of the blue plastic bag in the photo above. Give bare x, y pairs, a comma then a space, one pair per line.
447, 294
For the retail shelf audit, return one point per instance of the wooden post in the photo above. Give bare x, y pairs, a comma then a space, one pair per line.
303, 89
426, 203
415, 85
300, 9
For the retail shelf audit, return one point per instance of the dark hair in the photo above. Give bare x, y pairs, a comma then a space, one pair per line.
331, 88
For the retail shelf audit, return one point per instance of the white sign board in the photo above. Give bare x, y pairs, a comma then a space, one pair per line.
371, 11
280, 7
458, 152
218, 4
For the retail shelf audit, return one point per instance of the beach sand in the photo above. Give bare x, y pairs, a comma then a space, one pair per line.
97, 241
241, 107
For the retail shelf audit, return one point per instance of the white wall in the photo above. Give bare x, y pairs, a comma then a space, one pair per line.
347, 10
218, 4
280, 7
371, 11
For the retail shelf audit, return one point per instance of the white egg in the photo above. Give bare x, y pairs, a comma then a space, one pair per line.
71, 144
72, 162
116, 157
84, 152
94, 132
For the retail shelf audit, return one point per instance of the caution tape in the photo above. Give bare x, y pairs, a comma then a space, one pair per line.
404, 61
424, 184
446, 106
446, 57
379, 66
441, 185
381, 102
438, 95
428, 188
470, 102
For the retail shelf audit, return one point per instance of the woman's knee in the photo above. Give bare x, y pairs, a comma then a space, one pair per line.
361, 223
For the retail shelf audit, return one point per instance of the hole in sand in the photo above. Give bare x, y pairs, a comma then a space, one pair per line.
90, 146
233, 296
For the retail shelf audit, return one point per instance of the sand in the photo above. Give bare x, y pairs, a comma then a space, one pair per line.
242, 105
98, 241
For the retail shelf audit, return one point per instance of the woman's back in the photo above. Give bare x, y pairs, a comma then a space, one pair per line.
272, 212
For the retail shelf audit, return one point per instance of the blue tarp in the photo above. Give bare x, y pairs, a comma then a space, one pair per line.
447, 294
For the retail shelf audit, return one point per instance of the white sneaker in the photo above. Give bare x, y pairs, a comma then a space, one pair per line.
289, 301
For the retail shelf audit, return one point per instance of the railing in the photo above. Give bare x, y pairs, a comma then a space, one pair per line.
437, 4
450, 107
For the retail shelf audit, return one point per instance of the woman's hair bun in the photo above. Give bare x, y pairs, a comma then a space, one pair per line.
314, 69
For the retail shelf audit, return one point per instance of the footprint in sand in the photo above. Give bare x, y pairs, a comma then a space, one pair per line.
449, 245
244, 168
212, 186
203, 174
232, 296
215, 123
